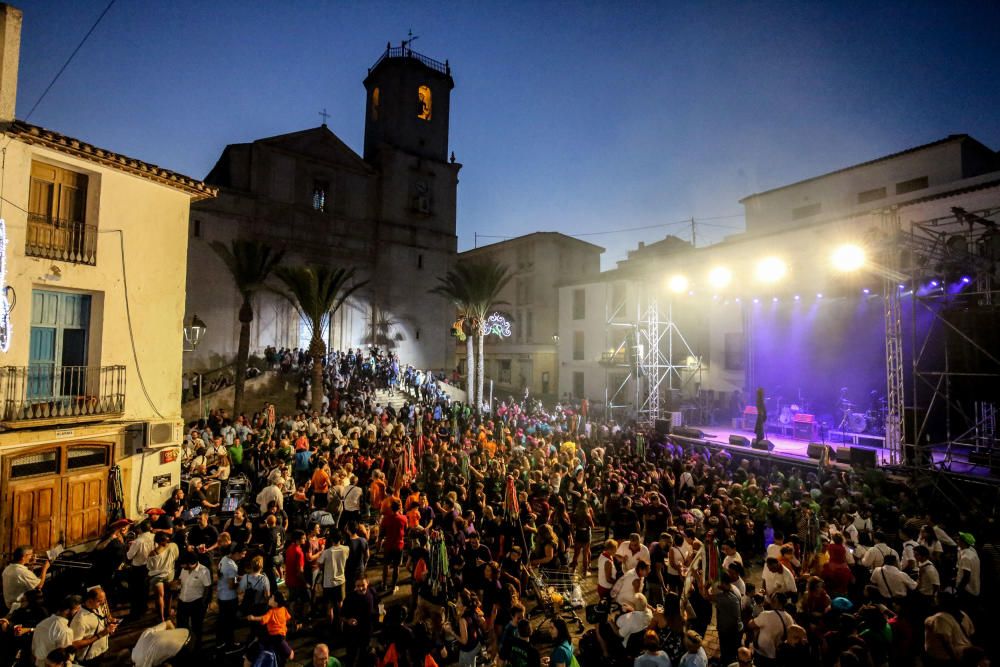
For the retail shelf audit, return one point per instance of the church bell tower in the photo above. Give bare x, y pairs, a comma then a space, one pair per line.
407, 105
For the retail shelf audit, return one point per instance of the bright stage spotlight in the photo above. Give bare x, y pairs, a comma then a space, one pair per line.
770, 270
677, 283
720, 276
848, 257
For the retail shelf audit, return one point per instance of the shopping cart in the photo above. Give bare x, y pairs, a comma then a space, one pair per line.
560, 595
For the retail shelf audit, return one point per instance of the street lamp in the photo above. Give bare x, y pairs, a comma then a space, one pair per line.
193, 333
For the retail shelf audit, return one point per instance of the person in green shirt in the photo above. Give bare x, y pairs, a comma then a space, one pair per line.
322, 658
236, 453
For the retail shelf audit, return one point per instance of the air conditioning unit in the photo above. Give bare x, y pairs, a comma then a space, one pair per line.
161, 433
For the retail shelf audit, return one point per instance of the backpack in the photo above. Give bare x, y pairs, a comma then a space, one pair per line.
254, 600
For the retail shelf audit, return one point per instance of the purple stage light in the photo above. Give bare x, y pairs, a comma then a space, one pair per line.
902, 286
934, 283
775, 299
737, 299
866, 291
966, 280
756, 300
796, 297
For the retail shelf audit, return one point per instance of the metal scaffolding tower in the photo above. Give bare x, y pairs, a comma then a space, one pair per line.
665, 361
895, 388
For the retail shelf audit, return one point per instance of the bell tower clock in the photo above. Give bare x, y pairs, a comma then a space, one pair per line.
407, 104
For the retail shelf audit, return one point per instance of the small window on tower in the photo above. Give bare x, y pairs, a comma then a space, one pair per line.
424, 103
319, 195
376, 103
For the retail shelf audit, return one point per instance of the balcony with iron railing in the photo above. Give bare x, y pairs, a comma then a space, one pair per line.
62, 240
46, 394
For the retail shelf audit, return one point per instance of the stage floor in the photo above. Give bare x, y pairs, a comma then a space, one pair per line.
797, 450
783, 445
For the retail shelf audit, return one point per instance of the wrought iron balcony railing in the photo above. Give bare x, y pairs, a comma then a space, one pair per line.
63, 240
50, 394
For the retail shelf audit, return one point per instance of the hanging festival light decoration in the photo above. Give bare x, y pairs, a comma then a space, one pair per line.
496, 325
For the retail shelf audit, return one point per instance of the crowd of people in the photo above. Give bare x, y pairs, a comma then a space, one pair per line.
426, 535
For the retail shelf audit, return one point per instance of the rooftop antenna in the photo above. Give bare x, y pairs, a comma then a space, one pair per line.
410, 39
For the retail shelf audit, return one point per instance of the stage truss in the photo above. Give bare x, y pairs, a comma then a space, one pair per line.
648, 357
963, 247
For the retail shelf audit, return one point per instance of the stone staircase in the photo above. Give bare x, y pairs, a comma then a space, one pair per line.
383, 398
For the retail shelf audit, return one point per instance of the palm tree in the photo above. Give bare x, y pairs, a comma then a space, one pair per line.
454, 287
317, 292
485, 281
250, 262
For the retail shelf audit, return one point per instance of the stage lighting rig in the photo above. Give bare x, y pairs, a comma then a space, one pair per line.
848, 257
770, 270
678, 284
720, 277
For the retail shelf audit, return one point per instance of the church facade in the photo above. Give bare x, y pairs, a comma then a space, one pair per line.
390, 213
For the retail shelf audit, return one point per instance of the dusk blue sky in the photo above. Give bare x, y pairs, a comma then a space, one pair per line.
571, 117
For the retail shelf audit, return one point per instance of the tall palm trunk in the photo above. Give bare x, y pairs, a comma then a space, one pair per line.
317, 350
242, 354
470, 370
479, 371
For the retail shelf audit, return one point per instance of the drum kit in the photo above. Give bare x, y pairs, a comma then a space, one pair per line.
871, 421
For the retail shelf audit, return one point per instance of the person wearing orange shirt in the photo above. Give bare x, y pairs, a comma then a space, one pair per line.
320, 485
377, 488
275, 621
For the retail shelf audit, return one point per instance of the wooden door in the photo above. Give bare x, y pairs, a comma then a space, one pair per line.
34, 510
85, 498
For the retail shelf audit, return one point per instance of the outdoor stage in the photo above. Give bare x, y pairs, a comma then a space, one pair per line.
791, 450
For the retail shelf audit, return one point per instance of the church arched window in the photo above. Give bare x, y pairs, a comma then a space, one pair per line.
376, 103
424, 103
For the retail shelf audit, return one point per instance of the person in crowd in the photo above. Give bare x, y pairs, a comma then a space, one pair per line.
55, 633
18, 577
193, 597
91, 626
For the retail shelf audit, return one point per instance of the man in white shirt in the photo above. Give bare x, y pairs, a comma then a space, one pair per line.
271, 492
875, 557
776, 578
18, 579
91, 627
928, 579
892, 583
137, 554
631, 552
772, 626
158, 644
967, 577
54, 632
332, 563
907, 561
196, 579
630, 584
352, 495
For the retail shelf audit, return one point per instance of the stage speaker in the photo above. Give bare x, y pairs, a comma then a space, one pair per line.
843, 455
804, 427
685, 432
662, 426
739, 441
765, 445
815, 450
862, 457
